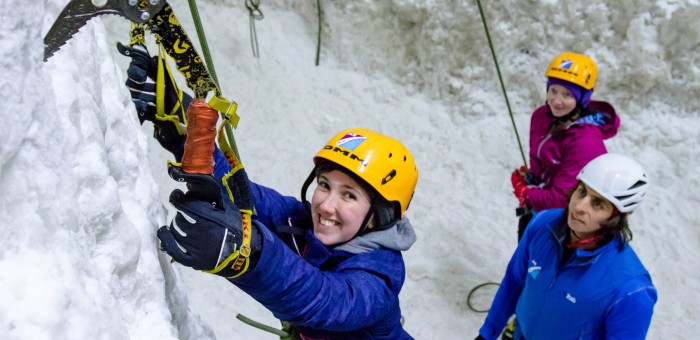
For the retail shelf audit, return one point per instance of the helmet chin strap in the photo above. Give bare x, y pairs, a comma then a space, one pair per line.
306, 185
365, 222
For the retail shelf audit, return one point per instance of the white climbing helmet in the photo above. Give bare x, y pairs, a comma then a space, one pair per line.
618, 178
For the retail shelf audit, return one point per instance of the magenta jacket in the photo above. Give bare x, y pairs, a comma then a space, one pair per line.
556, 159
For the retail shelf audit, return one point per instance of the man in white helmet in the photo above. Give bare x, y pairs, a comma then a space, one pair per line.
574, 275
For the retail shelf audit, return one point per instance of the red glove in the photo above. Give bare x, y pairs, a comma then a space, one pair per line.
519, 185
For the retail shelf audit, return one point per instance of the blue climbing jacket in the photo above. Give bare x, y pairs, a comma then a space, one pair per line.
605, 293
350, 291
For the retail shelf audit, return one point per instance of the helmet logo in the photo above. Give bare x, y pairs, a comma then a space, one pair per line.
566, 64
351, 141
345, 153
389, 176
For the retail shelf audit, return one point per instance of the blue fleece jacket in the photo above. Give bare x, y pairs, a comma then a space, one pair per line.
601, 294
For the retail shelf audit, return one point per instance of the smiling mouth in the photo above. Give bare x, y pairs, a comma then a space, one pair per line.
326, 222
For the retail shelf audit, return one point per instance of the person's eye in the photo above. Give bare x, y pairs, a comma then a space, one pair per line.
599, 204
350, 196
581, 191
323, 185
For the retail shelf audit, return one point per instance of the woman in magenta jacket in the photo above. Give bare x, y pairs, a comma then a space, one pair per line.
565, 134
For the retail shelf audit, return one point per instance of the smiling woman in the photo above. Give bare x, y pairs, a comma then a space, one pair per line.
341, 253
566, 132
565, 253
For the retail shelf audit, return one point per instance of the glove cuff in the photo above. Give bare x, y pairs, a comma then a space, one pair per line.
244, 258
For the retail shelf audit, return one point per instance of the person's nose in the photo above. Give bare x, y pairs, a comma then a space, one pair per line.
581, 205
557, 98
328, 204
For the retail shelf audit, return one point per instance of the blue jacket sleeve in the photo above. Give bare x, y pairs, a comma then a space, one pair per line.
503, 305
302, 294
271, 207
630, 314
221, 166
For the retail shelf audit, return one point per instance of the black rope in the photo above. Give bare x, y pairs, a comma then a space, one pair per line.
469, 297
318, 40
254, 13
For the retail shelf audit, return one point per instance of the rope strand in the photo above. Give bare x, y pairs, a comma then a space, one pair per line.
254, 13
503, 87
318, 40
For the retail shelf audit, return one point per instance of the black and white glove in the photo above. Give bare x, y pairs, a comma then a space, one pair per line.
206, 238
169, 128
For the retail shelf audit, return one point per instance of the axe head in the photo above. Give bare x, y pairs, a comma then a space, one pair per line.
78, 12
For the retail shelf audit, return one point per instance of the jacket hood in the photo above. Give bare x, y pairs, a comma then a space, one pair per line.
604, 121
399, 237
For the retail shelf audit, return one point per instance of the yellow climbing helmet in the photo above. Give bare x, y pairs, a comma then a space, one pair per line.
574, 68
383, 162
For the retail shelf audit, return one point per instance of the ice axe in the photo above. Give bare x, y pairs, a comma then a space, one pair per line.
78, 12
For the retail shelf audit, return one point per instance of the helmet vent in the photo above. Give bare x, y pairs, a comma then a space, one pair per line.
623, 198
404, 158
390, 154
637, 185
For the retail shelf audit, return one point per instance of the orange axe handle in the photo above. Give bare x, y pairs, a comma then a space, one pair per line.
201, 133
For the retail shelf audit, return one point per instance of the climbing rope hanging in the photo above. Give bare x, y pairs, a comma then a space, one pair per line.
318, 40
254, 13
517, 137
210, 66
202, 40
503, 87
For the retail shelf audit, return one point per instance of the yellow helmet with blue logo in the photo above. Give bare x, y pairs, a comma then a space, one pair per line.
574, 68
381, 161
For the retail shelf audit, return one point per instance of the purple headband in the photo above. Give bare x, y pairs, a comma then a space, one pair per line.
582, 96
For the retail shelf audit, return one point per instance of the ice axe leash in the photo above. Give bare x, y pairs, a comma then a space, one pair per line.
503, 87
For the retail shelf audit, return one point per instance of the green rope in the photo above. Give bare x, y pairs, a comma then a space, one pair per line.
210, 67
286, 333
318, 40
203, 40
503, 87
471, 292
261, 326
254, 13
